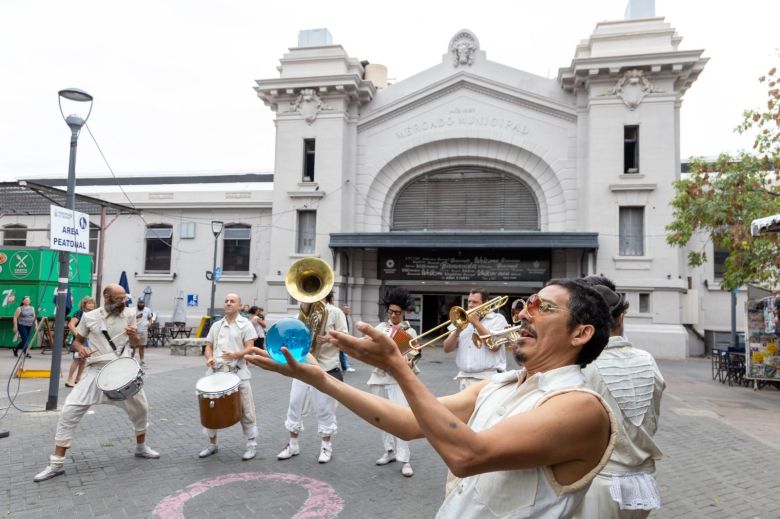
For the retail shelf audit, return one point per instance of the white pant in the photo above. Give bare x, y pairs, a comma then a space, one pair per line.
85, 395
248, 416
326, 409
393, 393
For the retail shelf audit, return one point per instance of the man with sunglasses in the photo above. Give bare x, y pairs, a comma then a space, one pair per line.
525, 443
476, 364
629, 380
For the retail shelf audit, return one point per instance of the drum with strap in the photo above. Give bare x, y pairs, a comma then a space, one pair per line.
121, 379
219, 400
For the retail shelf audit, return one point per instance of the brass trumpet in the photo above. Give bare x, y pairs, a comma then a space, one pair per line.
459, 318
494, 340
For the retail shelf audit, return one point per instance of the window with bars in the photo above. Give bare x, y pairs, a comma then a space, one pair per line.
236, 242
632, 231
719, 262
159, 242
15, 235
307, 232
466, 198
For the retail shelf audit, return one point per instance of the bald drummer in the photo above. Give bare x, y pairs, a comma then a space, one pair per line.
228, 341
110, 330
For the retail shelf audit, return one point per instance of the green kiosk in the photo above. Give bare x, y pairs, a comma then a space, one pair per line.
33, 271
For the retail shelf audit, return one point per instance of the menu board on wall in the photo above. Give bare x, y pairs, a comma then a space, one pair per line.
463, 265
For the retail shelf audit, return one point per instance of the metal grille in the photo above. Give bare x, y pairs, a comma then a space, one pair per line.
466, 199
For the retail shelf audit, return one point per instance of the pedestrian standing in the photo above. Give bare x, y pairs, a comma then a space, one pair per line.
143, 320
77, 366
343, 357
24, 322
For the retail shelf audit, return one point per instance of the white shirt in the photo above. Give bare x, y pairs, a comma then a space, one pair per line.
91, 325
380, 377
230, 337
328, 354
514, 494
480, 362
142, 319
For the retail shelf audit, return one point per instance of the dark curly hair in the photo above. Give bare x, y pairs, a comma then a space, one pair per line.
397, 296
587, 306
617, 302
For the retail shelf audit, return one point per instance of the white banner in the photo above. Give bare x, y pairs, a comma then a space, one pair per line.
69, 230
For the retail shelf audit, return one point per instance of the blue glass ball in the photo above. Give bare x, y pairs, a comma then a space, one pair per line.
291, 334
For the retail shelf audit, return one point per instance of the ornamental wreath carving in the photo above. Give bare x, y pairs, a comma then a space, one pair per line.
309, 105
632, 88
462, 47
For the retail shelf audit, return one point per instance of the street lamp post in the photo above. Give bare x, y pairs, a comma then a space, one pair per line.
82, 102
216, 228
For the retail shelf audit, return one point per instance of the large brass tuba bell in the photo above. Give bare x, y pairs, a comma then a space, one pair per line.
309, 280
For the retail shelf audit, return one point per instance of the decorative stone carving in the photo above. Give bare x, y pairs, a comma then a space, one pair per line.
632, 88
309, 105
463, 46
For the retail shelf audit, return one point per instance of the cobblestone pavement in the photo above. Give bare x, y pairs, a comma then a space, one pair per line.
720, 442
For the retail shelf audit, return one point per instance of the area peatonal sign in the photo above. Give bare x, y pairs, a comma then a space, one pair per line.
69, 230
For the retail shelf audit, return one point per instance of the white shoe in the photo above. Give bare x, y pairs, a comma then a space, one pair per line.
249, 453
386, 458
325, 455
147, 453
208, 451
288, 452
406, 470
54, 468
350, 370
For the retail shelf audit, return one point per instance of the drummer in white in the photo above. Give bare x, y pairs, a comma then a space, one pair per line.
110, 330
228, 341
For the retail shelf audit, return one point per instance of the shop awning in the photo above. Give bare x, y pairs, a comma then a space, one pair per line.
766, 224
465, 240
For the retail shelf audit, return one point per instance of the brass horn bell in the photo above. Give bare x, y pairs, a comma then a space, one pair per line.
309, 280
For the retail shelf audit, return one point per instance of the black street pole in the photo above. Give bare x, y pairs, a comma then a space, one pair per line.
216, 229
75, 124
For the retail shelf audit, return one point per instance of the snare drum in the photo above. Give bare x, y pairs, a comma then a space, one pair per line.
219, 400
120, 379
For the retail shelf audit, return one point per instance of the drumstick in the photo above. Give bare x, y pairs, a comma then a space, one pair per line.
123, 332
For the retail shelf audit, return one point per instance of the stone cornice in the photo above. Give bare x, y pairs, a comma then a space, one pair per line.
477, 84
273, 91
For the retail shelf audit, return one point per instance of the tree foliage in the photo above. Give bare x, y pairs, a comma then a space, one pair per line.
719, 199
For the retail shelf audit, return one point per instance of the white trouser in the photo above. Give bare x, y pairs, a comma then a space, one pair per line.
85, 395
393, 393
248, 416
326, 409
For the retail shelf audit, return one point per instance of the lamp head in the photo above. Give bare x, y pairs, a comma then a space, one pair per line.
79, 101
216, 227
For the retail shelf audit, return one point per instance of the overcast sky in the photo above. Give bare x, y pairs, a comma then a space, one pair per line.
172, 80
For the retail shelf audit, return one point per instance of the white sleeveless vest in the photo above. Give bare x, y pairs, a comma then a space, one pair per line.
524, 493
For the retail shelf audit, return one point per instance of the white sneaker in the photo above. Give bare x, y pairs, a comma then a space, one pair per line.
386, 458
325, 455
54, 468
147, 453
208, 451
350, 370
249, 453
288, 452
406, 470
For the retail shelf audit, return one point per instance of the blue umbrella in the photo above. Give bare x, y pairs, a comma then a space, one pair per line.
123, 283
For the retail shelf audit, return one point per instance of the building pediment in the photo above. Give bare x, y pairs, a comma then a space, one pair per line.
465, 81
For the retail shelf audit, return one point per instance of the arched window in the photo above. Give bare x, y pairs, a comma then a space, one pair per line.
466, 198
236, 245
159, 241
15, 235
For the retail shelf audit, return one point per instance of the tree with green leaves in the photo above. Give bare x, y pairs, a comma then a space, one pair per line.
719, 199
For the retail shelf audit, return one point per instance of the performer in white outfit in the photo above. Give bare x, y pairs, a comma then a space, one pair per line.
476, 364
629, 380
396, 301
229, 339
524, 444
325, 355
111, 331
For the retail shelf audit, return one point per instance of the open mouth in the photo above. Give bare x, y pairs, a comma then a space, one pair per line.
527, 333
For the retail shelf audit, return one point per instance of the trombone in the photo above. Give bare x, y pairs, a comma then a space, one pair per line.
459, 318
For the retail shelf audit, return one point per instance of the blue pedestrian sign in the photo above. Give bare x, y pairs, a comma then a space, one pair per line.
218, 273
192, 300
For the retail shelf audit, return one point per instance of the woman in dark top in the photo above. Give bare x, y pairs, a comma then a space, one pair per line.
24, 322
